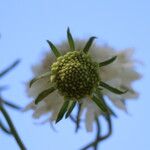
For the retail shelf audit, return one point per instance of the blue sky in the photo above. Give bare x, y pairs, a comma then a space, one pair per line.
24, 27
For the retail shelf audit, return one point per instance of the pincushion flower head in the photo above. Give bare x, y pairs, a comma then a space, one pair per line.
81, 73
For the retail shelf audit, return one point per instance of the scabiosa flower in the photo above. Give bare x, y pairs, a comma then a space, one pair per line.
81, 73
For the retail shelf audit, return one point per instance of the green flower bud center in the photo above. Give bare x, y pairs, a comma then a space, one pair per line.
75, 74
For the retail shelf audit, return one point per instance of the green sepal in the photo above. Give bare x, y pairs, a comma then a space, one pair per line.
43, 94
62, 110
89, 44
73, 104
39, 77
111, 112
100, 104
112, 89
70, 40
107, 62
54, 49
103, 100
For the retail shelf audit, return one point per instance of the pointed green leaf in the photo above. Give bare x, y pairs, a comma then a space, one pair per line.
89, 44
73, 104
43, 94
14, 106
9, 68
62, 110
54, 49
100, 104
107, 62
70, 40
39, 77
112, 89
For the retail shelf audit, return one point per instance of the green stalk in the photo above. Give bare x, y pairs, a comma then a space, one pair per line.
12, 128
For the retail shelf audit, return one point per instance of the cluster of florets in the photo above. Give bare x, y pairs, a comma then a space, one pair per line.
75, 74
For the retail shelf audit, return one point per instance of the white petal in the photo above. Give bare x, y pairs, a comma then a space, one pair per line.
92, 111
89, 120
117, 101
30, 106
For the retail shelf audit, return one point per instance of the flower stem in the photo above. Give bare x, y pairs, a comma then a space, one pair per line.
100, 138
12, 128
78, 118
98, 133
4, 129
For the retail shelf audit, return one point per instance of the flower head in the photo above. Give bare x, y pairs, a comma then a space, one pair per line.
75, 75
81, 73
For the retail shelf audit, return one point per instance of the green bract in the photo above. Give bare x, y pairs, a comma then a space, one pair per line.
75, 75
